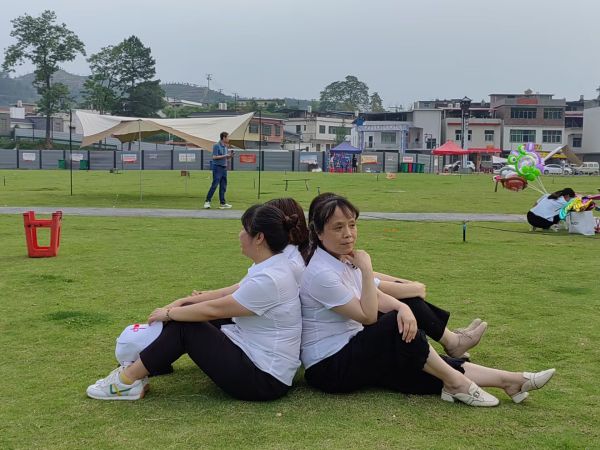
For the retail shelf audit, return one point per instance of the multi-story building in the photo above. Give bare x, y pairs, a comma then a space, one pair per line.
590, 150
387, 131
574, 124
261, 102
4, 123
529, 117
318, 131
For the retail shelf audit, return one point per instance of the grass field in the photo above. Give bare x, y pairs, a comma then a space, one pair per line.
59, 318
371, 192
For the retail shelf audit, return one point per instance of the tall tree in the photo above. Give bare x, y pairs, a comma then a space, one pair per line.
121, 80
348, 95
100, 91
46, 44
376, 103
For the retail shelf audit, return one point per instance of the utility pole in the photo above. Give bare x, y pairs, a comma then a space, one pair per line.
235, 97
208, 78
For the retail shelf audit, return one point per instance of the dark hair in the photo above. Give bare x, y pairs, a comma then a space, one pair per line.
315, 201
224, 134
566, 191
298, 235
321, 209
271, 222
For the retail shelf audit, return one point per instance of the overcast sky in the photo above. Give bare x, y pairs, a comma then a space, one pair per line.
404, 50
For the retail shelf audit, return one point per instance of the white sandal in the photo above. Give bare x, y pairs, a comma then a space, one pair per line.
534, 381
475, 397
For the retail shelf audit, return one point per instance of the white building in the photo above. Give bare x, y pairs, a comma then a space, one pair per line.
318, 131
590, 150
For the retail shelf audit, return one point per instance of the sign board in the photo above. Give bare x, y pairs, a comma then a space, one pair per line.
187, 157
153, 156
368, 159
308, 159
29, 156
129, 157
249, 158
407, 159
77, 157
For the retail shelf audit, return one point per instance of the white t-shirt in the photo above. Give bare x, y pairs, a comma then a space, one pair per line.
296, 261
271, 338
548, 208
327, 282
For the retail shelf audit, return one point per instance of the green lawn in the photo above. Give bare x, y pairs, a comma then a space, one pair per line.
59, 318
371, 192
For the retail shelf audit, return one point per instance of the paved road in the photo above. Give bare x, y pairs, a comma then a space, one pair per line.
235, 214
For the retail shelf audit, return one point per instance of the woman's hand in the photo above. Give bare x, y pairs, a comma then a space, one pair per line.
407, 323
159, 315
360, 259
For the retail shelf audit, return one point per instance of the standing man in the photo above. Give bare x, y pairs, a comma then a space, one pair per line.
221, 154
354, 163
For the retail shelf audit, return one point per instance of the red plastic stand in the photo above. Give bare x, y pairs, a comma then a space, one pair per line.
31, 226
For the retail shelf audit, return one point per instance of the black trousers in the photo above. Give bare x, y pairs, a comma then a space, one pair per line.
378, 357
539, 222
431, 319
218, 357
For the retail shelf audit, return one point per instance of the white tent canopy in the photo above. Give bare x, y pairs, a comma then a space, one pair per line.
203, 132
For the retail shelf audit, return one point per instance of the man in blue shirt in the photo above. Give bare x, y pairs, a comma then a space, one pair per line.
221, 154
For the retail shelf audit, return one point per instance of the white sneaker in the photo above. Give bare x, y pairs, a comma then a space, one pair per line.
111, 388
555, 228
224, 206
475, 397
144, 380
206, 205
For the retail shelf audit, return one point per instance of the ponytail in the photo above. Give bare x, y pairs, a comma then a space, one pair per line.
272, 223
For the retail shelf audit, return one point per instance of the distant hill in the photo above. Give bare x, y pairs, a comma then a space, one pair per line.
21, 88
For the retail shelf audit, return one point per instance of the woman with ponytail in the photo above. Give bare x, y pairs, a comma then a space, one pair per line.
255, 357
545, 212
339, 296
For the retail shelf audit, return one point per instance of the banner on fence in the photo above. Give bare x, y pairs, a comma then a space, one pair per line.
29, 156
76, 156
187, 157
129, 157
368, 159
407, 159
248, 159
308, 159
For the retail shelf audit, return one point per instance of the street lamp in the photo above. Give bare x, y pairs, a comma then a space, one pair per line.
465, 105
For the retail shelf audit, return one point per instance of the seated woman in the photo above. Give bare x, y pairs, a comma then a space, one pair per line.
339, 296
253, 358
545, 212
431, 319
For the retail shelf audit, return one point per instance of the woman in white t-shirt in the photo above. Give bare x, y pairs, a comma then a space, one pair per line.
432, 319
545, 212
253, 358
339, 354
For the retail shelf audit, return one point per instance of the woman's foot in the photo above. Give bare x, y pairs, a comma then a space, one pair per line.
474, 324
532, 381
466, 340
473, 395
112, 388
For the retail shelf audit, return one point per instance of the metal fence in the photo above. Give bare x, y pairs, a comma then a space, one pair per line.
181, 159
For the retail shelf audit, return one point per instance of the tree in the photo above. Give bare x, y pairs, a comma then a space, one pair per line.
100, 91
46, 45
121, 80
348, 95
376, 103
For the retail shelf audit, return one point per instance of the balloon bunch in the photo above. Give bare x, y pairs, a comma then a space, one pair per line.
577, 204
526, 161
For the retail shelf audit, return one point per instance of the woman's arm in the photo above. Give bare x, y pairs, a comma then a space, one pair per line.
363, 310
221, 308
205, 296
385, 277
407, 323
409, 289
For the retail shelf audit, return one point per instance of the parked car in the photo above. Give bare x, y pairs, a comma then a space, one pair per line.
455, 166
588, 168
557, 169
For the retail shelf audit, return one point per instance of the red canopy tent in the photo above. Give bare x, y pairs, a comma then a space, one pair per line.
448, 149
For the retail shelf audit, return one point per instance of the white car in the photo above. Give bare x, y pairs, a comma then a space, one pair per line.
455, 166
556, 169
